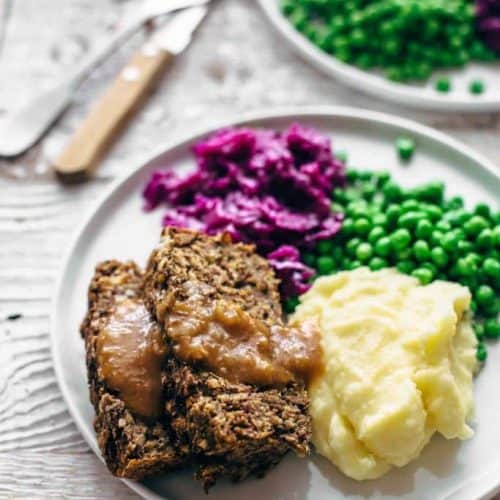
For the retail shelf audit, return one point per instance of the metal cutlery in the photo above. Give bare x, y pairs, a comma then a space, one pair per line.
109, 115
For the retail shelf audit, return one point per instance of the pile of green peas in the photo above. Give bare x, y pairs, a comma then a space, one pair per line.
420, 233
407, 39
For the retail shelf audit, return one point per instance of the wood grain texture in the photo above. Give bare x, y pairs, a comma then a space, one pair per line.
235, 64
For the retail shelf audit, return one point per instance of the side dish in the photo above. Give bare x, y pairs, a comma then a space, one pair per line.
407, 40
399, 360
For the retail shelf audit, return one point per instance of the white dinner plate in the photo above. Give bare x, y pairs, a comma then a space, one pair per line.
415, 95
118, 228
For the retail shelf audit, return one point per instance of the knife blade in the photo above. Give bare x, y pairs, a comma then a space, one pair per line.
108, 117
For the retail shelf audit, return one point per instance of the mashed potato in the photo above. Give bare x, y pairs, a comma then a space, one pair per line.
399, 360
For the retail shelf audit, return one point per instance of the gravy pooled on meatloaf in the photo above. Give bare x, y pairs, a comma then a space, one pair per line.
218, 305
223, 427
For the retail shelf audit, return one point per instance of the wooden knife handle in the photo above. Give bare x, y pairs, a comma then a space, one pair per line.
106, 119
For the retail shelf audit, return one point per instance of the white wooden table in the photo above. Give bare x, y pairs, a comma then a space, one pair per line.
237, 63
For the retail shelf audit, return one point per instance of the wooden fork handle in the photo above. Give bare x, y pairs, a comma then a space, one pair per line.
106, 119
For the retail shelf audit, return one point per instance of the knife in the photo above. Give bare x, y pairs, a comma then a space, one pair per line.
104, 122
23, 128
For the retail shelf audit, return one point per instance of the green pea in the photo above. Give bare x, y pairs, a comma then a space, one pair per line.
347, 226
392, 191
491, 310
375, 234
483, 210
410, 204
291, 304
324, 247
485, 240
377, 263
423, 229
405, 147
464, 247
476, 87
431, 267
491, 267
393, 213
383, 246
443, 225
492, 329
400, 239
405, 266
454, 203
482, 353
465, 268
423, 275
457, 217
496, 236
439, 257
421, 250
351, 246
364, 251
484, 295
379, 219
475, 225
450, 241
345, 263
355, 264
479, 330
337, 253
382, 177
325, 264
309, 259
409, 220
362, 226
436, 237
443, 84
336, 208
433, 212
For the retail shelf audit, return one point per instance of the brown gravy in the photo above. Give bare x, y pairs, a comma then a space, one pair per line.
225, 339
130, 352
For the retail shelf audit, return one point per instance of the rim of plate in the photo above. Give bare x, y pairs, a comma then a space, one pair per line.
292, 113
369, 83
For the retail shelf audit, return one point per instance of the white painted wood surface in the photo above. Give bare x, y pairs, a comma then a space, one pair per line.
235, 64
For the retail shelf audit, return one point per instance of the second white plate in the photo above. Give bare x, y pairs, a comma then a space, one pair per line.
417, 96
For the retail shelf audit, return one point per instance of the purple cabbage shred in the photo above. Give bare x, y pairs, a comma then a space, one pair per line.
488, 22
263, 187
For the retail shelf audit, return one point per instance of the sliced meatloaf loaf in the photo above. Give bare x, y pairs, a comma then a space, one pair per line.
232, 429
133, 447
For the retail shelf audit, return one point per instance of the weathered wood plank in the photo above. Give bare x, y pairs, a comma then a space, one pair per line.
60, 475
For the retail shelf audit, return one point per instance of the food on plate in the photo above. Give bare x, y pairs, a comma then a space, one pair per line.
219, 307
133, 445
405, 40
264, 187
488, 23
399, 360
406, 147
420, 232
180, 412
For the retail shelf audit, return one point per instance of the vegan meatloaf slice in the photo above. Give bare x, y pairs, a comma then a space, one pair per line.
232, 429
132, 447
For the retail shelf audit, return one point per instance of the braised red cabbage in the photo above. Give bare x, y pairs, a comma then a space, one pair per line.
264, 187
488, 22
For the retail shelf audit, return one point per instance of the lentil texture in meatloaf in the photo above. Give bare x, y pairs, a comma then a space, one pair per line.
232, 429
224, 429
132, 446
